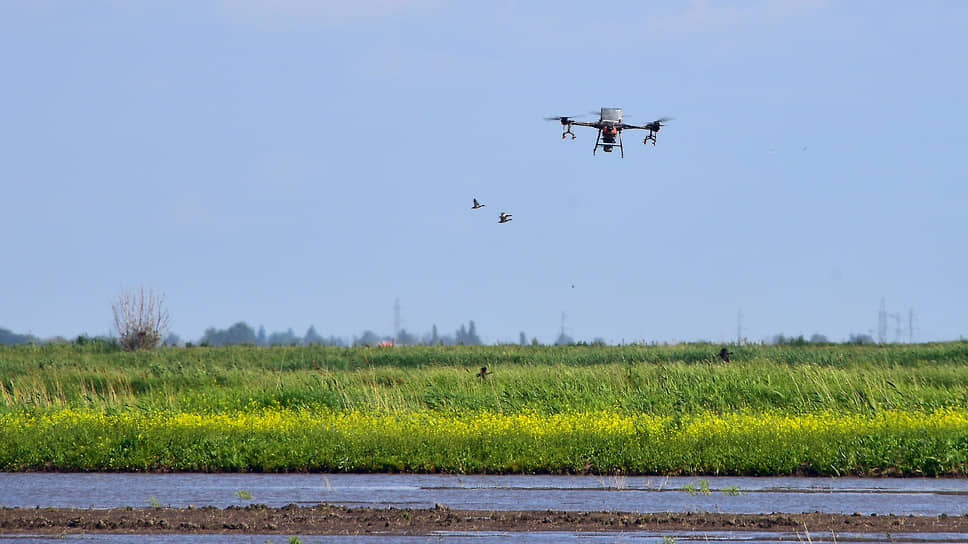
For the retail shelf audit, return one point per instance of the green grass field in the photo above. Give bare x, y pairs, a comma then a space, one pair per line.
810, 409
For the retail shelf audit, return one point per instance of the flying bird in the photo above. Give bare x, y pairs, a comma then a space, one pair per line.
477, 205
504, 217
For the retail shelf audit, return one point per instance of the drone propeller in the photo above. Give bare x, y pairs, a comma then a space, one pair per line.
657, 124
563, 119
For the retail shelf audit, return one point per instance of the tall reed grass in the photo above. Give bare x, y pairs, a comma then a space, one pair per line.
233, 378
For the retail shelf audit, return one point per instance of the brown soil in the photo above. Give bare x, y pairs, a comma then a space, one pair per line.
327, 519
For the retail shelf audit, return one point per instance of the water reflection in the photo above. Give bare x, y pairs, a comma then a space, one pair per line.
576, 493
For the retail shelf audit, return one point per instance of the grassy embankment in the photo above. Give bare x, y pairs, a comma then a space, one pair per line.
838, 409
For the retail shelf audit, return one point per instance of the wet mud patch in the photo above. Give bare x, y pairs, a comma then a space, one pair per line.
330, 519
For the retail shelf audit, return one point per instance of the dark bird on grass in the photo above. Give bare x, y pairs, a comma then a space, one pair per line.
477, 205
504, 217
724, 354
483, 374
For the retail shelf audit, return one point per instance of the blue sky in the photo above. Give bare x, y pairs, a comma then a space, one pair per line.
297, 163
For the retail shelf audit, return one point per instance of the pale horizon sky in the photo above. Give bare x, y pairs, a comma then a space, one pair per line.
297, 163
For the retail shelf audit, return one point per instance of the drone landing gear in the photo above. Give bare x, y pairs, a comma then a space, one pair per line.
649, 137
567, 132
609, 145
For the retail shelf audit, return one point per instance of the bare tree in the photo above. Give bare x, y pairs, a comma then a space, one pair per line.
140, 318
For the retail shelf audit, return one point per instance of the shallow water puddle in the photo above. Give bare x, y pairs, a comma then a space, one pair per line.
575, 493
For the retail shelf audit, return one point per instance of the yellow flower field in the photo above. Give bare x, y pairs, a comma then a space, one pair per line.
890, 441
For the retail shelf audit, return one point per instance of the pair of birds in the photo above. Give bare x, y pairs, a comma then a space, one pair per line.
503, 218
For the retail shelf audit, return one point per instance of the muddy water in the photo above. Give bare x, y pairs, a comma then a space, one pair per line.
578, 493
550, 537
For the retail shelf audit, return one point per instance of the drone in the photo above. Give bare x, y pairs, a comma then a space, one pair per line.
610, 127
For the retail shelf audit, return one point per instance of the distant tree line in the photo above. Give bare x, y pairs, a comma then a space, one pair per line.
242, 333
10, 338
782, 340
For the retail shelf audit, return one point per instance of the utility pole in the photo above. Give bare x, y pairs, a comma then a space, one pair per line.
897, 326
739, 327
882, 323
910, 325
396, 319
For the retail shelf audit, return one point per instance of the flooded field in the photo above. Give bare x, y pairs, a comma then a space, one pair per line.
461, 494
576, 493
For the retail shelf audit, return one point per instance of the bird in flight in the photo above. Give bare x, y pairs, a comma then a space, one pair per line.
504, 217
477, 205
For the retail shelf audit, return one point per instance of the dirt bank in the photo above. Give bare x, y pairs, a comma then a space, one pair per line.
327, 519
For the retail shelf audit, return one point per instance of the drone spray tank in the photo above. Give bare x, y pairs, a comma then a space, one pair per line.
610, 120
612, 115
